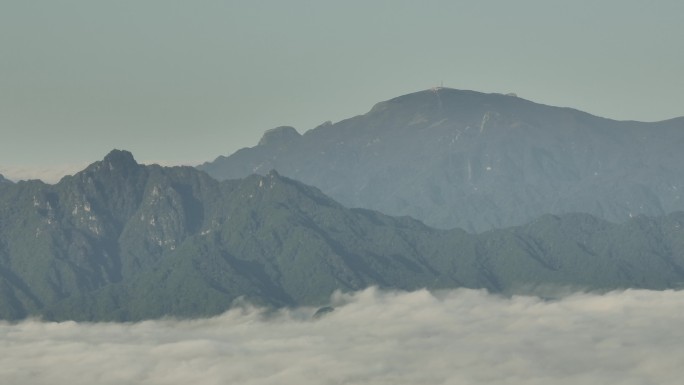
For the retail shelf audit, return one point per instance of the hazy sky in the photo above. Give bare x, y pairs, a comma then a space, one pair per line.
462, 337
186, 81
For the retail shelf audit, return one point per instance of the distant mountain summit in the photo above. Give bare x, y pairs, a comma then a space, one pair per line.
478, 161
3, 180
279, 135
124, 241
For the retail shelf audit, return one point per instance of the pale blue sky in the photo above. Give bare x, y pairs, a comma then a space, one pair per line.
186, 81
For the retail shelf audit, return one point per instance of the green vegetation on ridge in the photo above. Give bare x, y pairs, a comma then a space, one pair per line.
123, 241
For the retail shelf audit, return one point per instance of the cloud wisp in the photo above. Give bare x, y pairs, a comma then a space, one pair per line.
372, 337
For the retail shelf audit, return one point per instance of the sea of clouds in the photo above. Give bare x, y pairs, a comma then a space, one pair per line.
372, 337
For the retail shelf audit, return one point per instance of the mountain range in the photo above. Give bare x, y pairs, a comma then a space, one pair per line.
478, 161
124, 241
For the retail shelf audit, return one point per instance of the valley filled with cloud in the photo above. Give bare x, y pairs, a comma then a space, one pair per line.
372, 337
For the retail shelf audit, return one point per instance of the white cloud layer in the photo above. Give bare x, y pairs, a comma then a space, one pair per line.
373, 337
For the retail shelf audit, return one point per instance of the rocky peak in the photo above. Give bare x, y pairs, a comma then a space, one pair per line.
279, 135
117, 164
120, 159
3, 180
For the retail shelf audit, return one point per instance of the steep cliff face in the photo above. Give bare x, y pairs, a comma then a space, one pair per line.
479, 161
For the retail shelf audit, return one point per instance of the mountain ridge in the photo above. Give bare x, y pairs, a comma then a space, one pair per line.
123, 241
480, 161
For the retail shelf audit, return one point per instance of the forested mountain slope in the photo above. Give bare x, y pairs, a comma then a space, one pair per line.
124, 241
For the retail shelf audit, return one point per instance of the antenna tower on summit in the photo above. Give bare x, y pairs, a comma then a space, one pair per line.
437, 88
